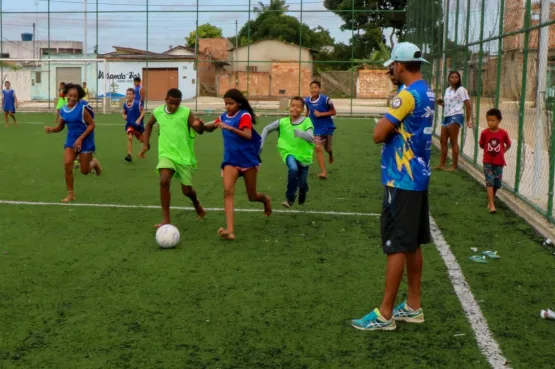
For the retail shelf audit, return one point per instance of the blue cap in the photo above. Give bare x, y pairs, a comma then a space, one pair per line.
405, 52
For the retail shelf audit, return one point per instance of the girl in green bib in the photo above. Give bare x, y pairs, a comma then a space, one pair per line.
296, 147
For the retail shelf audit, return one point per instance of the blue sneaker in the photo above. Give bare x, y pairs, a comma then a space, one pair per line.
374, 321
404, 313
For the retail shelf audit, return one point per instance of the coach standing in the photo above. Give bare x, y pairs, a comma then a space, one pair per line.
406, 132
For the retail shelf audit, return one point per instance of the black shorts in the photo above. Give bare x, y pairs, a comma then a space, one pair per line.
405, 220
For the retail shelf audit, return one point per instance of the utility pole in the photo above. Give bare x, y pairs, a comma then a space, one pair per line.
85, 50
34, 41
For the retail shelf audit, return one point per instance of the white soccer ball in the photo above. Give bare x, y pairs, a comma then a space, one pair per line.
167, 236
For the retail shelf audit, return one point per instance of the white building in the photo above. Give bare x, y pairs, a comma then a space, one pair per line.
39, 49
31, 80
159, 72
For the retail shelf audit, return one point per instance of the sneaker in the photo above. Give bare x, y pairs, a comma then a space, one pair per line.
404, 313
374, 321
302, 198
128, 158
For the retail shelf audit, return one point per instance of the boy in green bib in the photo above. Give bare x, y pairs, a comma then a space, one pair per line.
176, 150
296, 147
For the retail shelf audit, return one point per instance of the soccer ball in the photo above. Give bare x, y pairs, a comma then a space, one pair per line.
167, 236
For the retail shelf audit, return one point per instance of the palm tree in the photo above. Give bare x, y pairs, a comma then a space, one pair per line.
376, 58
277, 6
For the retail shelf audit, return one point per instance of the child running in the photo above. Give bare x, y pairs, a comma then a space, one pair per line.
79, 118
296, 147
133, 114
62, 100
9, 103
320, 109
495, 142
176, 150
241, 155
139, 91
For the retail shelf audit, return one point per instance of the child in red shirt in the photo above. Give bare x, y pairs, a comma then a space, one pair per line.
495, 142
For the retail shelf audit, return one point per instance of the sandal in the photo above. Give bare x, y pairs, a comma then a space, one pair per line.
491, 254
478, 259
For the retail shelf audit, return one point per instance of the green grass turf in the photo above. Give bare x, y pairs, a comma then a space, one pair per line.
88, 288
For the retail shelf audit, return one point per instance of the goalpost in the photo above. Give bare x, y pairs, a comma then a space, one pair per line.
36, 80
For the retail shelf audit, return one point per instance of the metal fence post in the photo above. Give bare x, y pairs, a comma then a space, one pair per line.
465, 73
551, 166
479, 91
499, 52
522, 112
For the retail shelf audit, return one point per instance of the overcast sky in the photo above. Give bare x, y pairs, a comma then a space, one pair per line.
124, 22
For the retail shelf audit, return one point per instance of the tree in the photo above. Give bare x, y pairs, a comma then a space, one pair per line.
277, 6
367, 34
424, 20
271, 23
204, 31
10, 66
377, 58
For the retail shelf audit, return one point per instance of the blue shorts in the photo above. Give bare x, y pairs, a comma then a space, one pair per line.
87, 145
136, 127
10, 110
494, 175
458, 118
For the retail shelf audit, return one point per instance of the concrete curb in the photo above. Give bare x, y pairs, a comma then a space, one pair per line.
529, 214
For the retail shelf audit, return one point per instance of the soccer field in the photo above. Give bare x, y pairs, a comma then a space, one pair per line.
85, 285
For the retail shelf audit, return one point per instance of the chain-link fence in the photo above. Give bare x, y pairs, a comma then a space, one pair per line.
505, 52
271, 50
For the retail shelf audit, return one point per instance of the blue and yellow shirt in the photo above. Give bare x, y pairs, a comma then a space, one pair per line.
406, 154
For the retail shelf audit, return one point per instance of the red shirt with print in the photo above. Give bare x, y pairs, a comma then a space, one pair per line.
495, 144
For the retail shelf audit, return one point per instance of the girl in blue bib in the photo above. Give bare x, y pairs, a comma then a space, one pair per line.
241, 155
320, 109
9, 103
79, 118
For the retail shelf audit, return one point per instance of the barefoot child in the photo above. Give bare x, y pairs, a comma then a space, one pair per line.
495, 142
9, 103
296, 146
79, 118
133, 114
241, 155
176, 150
320, 109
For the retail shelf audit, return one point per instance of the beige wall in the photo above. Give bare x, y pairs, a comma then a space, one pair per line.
268, 51
281, 81
373, 84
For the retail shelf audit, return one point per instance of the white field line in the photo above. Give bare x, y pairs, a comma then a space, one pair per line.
484, 337
120, 206
486, 342
118, 124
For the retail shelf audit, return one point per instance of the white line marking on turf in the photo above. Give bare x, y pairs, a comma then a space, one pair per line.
52, 124
484, 337
120, 206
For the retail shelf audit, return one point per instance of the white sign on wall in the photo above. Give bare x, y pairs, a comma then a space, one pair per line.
120, 75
